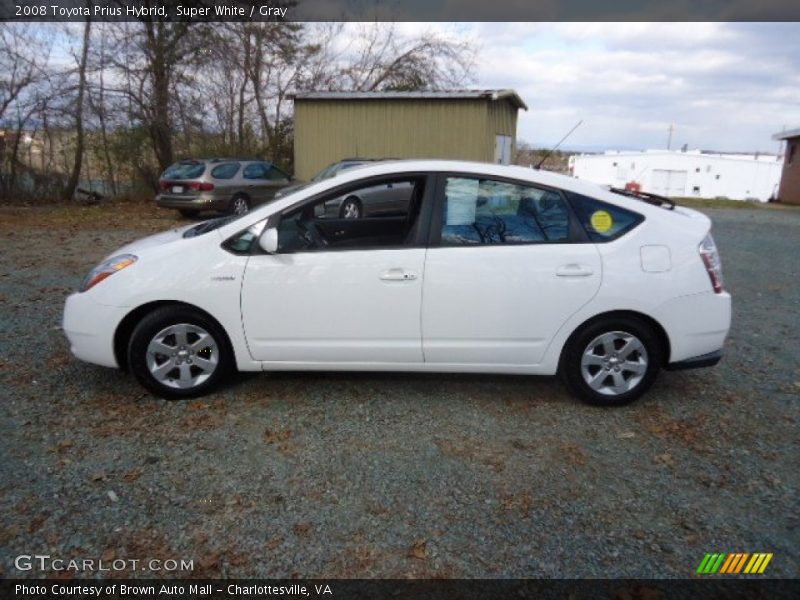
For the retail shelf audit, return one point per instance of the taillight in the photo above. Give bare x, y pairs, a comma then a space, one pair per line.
202, 187
710, 255
163, 184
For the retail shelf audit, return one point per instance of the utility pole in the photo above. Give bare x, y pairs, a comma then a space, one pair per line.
669, 138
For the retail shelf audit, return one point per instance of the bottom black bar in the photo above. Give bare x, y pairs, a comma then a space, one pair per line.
697, 362
418, 589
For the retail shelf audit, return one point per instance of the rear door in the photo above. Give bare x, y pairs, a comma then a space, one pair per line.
503, 272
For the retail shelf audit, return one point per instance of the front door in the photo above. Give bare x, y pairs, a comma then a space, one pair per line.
338, 290
504, 277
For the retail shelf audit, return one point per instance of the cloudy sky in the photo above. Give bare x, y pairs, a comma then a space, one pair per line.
723, 86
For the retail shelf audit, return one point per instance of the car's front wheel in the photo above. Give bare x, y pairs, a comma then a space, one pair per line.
179, 352
612, 361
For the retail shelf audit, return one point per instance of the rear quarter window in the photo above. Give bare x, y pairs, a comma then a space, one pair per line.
275, 174
603, 222
225, 171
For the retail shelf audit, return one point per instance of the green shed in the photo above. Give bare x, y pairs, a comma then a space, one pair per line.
465, 125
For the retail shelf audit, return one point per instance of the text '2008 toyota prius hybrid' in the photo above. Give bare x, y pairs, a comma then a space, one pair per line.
483, 268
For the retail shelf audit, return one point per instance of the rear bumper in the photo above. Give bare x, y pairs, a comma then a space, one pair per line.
696, 325
697, 362
200, 202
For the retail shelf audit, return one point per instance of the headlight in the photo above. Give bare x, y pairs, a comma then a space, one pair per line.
106, 269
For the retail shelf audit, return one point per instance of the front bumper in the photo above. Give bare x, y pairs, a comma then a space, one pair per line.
89, 327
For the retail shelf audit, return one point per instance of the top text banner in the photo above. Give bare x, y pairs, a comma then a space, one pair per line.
400, 10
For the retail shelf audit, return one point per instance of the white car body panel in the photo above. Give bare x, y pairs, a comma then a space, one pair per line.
503, 304
355, 306
331, 310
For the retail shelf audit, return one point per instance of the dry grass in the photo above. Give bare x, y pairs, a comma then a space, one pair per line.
734, 204
144, 216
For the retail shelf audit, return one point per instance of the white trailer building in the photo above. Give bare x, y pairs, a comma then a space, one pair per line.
684, 173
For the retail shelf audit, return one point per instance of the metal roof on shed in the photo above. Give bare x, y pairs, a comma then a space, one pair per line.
493, 95
785, 135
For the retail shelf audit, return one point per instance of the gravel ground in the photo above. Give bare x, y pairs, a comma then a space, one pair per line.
396, 475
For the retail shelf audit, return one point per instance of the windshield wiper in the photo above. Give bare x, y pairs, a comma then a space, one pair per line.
207, 226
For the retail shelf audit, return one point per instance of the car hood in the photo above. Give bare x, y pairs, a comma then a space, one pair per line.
159, 239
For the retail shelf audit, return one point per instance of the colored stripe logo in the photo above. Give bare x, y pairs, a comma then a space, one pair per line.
733, 563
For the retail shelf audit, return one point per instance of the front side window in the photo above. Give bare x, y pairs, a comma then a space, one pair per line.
490, 212
242, 242
379, 214
603, 222
225, 171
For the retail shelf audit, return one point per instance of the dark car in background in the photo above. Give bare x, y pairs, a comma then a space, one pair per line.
231, 185
380, 200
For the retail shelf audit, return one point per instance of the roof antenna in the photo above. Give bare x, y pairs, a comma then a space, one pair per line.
549, 152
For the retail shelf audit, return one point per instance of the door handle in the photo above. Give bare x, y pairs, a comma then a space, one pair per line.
398, 275
573, 270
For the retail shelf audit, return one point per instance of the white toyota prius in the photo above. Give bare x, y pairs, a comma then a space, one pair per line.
480, 268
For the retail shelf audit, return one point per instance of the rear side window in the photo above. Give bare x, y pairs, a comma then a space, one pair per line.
225, 171
187, 170
491, 212
603, 222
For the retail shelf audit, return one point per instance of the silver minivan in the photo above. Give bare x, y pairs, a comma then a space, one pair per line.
229, 185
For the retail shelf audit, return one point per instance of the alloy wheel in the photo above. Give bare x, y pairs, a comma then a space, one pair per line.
182, 356
351, 210
240, 206
614, 363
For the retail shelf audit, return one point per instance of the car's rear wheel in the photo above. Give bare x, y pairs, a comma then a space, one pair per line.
179, 352
351, 209
612, 361
239, 205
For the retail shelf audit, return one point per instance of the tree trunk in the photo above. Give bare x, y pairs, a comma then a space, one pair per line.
101, 114
74, 177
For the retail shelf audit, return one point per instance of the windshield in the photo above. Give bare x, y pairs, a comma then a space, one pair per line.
184, 170
210, 225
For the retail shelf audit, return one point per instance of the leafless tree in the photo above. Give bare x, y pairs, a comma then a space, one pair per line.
380, 58
72, 182
139, 94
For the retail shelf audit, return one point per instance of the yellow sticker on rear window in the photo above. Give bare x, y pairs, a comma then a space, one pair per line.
601, 221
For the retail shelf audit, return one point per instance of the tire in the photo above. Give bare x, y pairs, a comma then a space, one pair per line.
188, 214
351, 208
620, 356
239, 205
162, 330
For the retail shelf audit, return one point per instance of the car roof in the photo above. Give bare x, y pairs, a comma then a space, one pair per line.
546, 178
197, 161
